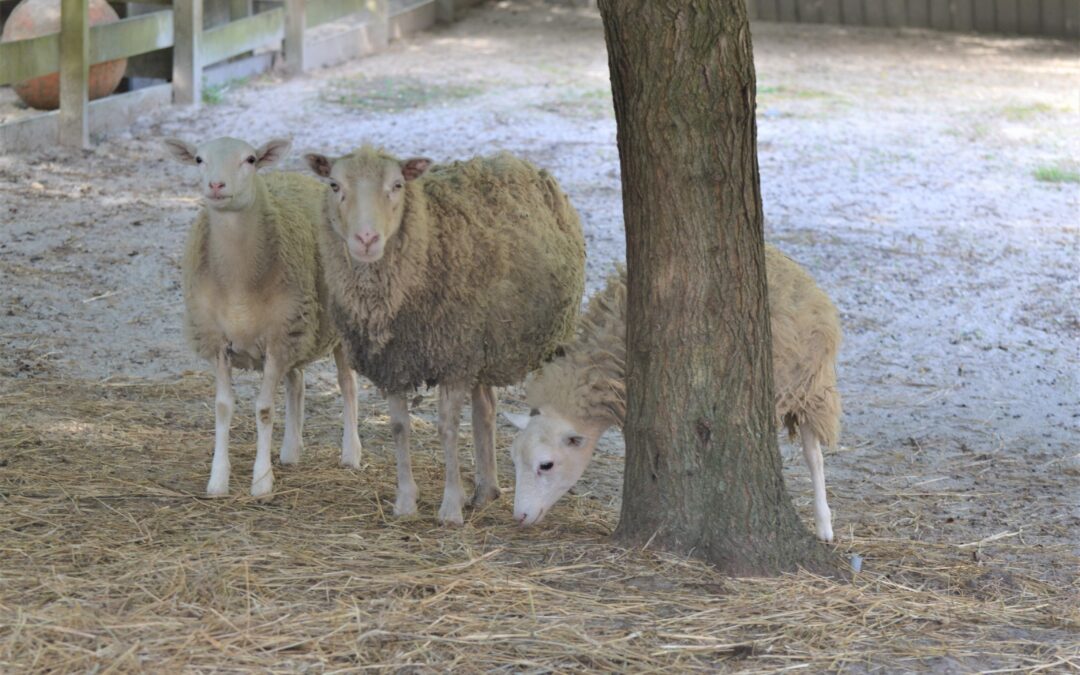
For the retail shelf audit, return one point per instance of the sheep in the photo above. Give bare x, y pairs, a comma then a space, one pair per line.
576, 397
466, 276
255, 297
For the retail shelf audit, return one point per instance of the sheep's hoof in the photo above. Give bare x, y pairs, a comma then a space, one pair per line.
405, 504
825, 533
484, 495
350, 456
263, 487
290, 454
450, 514
218, 486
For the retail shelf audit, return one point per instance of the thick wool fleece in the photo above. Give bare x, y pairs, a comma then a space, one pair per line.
587, 384
480, 284
285, 289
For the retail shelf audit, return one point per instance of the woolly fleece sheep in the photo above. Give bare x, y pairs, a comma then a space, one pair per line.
579, 395
467, 275
254, 294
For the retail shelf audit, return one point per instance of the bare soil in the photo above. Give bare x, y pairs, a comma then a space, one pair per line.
899, 167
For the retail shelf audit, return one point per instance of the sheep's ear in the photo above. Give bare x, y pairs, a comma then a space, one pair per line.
414, 167
519, 421
181, 151
272, 152
320, 164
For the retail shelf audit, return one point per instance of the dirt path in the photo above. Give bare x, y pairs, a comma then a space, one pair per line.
898, 167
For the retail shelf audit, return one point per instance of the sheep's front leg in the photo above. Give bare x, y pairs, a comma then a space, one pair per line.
816, 463
450, 401
350, 437
293, 443
262, 480
218, 486
400, 426
483, 422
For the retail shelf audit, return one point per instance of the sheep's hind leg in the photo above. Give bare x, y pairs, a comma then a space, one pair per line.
293, 443
483, 423
262, 480
816, 463
400, 426
218, 486
450, 402
350, 436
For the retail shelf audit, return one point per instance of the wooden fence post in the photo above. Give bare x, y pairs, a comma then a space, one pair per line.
295, 24
74, 73
380, 21
187, 45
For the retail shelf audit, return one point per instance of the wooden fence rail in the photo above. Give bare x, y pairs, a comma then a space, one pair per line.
282, 29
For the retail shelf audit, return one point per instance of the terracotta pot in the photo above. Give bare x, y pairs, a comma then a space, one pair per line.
33, 18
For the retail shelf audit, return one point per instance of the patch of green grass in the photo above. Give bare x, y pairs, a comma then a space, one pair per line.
1056, 174
214, 94
1020, 113
392, 94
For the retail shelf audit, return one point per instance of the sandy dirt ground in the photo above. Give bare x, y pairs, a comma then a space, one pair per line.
901, 168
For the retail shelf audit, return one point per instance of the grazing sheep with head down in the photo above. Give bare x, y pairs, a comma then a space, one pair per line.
579, 395
466, 276
255, 296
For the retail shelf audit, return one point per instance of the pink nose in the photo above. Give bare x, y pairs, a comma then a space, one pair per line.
367, 240
216, 187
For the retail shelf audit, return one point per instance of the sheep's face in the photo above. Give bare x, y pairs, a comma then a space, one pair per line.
367, 198
227, 168
550, 454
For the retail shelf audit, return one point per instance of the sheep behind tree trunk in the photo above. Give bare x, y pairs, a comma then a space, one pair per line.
703, 471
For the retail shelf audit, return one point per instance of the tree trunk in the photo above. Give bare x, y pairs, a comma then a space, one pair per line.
703, 469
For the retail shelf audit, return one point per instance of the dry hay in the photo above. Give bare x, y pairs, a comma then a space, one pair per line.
111, 561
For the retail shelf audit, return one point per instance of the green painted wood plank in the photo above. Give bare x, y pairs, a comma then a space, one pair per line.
1053, 18
940, 15
809, 11
132, 36
237, 37
874, 13
325, 11
767, 10
23, 59
963, 16
1072, 18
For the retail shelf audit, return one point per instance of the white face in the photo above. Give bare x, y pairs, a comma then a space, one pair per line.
550, 454
367, 200
227, 168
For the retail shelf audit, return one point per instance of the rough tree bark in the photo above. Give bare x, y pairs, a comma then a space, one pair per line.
703, 468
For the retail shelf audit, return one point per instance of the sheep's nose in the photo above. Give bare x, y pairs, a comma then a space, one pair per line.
367, 239
216, 187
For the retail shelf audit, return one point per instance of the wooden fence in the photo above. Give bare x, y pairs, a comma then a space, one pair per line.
284, 26
1048, 18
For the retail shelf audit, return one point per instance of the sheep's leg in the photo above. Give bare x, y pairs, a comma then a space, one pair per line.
451, 399
262, 480
400, 425
293, 443
218, 486
816, 463
350, 437
483, 423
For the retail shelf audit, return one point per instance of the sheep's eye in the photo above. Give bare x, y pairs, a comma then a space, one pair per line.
398, 185
575, 441
198, 160
547, 466
335, 187
250, 159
